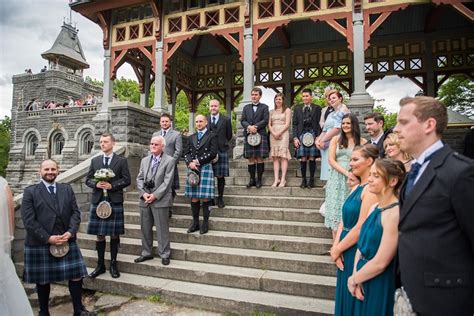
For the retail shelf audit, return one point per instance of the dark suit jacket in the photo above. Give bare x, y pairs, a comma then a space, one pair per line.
39, 213
380, 143
298, 119
121, 180
258, 118
436, 237
223, 132
204, 150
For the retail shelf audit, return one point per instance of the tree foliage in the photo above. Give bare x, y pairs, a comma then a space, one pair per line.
318, 92
457, 93
5, 136
390, 118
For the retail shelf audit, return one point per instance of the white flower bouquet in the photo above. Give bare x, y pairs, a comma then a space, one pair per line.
104, 174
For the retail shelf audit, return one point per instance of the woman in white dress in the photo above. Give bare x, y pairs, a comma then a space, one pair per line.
13, 300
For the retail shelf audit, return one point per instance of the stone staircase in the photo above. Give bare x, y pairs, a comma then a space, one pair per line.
266, 252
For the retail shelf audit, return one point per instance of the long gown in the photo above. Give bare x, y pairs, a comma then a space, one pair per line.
350, 214
333, 120
336, 189
279, 147
378, 291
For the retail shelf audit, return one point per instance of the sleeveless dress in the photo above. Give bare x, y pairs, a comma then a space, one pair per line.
345, 302
333, 120
336, 189
279, 147
379, 291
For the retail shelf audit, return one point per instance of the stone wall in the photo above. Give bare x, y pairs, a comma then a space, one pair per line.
454, 137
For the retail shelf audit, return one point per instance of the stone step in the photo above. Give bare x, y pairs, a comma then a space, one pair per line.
291, 244
268, 213
243, 225
243, 179
272, 260
242, 164
263, 191
315, 286
255, 199
268, 173
217, 298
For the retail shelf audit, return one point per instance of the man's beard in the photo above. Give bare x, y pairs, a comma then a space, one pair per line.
49, 180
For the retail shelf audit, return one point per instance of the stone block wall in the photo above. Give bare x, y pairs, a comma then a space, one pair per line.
454, 137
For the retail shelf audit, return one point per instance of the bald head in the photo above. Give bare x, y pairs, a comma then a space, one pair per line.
201, 122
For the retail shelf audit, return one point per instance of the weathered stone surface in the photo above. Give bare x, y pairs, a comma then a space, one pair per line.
107, 302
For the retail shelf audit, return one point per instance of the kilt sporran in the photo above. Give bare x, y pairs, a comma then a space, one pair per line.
193, 178
59, 251
402, 306
104, 210
254, 139
308, 139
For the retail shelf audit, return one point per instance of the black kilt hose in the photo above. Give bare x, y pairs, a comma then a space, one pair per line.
260, 151
112, 226
41, 267
221, 167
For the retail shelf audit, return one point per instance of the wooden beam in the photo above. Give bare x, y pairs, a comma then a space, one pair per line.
282, 33
433, 18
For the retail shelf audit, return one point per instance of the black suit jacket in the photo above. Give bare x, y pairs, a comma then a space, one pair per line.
379, 145
436, 237
223, 132
204, 150
39, 213
258, 118
121, 180
298, 119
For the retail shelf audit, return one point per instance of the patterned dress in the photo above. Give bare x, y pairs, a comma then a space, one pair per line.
333, 120
336, 189
279, 147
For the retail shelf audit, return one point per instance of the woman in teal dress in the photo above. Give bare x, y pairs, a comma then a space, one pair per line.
332, 127
354, 212
340, 150
373, 280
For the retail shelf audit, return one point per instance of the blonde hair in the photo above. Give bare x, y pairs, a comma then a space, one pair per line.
392, 138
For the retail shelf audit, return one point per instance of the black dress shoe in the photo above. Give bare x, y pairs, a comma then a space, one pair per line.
251, 183
204, 228
193, 228
258, 184
100, 269
165, 261
220, 202
303, 183
143, 258
170, 213
311, 183
114, 272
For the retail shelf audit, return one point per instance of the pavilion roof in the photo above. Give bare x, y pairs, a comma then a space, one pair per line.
456, 119
67, 48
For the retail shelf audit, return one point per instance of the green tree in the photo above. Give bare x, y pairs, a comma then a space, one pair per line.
318, 92
390, 118
457, 93
126, 90
5, 136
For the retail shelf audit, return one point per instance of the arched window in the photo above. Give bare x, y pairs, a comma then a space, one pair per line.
57, 144
31, 144
86, 143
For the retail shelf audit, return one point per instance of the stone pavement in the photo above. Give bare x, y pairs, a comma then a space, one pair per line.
114, 305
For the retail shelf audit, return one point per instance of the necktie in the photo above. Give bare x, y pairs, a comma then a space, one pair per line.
164, 133
214, 120
107, 161
154, 165
51, 190
411, 177
200, 135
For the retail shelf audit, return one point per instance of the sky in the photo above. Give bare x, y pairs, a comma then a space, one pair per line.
29, 28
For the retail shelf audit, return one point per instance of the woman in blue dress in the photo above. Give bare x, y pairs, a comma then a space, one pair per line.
354, 213
332, 127
373, 280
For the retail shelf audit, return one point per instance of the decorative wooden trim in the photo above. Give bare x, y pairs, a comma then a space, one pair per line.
116, 63
104, 23
344, 31
157, 15
238, 44
259, 40
458, 5
168, 51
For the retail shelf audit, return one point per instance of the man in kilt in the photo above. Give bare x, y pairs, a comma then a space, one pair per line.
255, 120
51, 217
201, 149
173, 148
306, 119
221, 126
112, 226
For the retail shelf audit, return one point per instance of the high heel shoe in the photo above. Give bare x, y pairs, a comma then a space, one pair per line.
276, 183
282, 184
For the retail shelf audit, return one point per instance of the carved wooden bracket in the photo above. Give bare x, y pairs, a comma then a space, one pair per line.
458, 5
260, 38
104, 23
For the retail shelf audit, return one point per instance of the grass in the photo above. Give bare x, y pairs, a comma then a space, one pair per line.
154, 298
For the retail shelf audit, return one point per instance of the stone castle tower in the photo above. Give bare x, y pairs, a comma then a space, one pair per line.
62, 133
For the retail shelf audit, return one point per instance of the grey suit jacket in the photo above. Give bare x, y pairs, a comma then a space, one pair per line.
163, 180
174, 143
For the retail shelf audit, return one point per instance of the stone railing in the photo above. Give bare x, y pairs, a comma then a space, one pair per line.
88, 109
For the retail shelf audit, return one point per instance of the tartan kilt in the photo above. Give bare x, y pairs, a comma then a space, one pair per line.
205, 189
112, 226
41, 267
221, 167
261, 150
304, 151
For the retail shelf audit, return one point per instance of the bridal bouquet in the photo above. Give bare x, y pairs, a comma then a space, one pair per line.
104, 174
